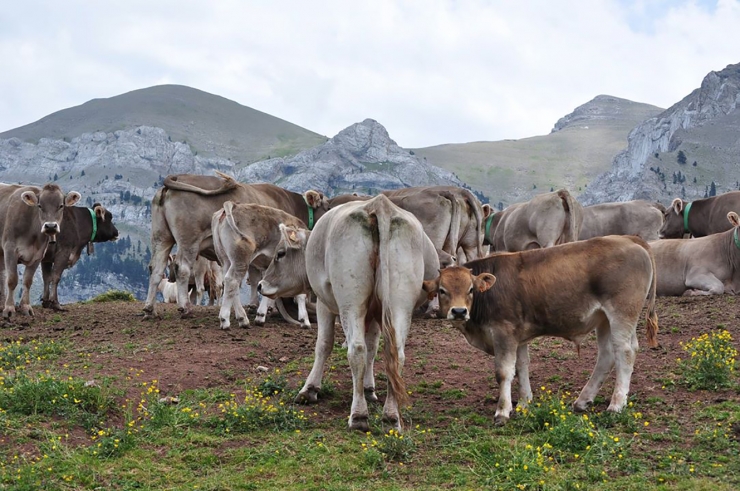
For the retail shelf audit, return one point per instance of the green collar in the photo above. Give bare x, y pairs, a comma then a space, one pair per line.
686, 218
487, 235
310, 214
95, 224
737, 240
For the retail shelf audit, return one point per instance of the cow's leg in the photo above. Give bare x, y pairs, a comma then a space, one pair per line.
185, 261
46, 276
372, 340
353, 318
505, 371
522, 372
56, 276
300, 301
162, 243
25, 304
704, 284
401, 323
235, 272
325, 320
604, 365
265, 305
624, 344
255, 275
11, 281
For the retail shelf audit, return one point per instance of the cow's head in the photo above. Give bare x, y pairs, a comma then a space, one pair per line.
673, 221
106, 230
286, 275
317, 201
50, 202
455, 286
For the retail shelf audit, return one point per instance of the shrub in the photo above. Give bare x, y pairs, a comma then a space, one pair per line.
711, 362
115, 296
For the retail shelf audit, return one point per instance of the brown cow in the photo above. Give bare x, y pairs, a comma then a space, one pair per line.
30, 219
566, 291
701, 217
544, 221
703, 266
82, 227
638, 217
244, 234
182, 212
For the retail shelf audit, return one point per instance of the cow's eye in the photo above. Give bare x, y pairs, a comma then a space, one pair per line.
470, 292
61, 206
442, 291
280, 254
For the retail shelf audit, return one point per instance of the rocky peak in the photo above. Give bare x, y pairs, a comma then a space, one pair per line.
710, 110
603, 108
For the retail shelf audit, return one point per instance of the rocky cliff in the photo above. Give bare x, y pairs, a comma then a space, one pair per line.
685, 151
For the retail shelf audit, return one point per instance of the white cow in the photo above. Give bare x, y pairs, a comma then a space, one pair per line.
366, 261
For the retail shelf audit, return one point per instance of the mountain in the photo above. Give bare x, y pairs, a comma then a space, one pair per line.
211, 125
361, 158
580, 147
688, 150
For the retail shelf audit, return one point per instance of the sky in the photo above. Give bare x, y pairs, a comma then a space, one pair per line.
430, 71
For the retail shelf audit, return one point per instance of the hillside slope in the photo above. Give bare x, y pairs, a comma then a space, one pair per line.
580, 147
211, 125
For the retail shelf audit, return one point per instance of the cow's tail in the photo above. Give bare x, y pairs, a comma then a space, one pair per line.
229, 183
453, 233
229, 215
284, 312
478, 212
383, 281
651, 317
572, 224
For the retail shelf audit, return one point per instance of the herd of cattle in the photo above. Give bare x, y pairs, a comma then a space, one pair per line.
557, 268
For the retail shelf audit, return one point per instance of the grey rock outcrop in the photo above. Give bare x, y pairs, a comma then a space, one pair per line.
361, 158
703, 125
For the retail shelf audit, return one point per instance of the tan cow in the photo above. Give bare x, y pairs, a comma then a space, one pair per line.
701, 217
246, 234
182, 212
366, 262
568, 291
30, 219
544, 221
702, 266
638, 217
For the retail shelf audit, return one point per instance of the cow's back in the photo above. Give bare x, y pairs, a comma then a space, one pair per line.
638, 217
718, 210
16, 218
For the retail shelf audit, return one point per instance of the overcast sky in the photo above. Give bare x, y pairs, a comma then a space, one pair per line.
430, 71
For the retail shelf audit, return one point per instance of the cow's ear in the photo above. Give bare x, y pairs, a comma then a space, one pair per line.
293, 236
484, 281
486, 210
72, 198
30, 198
100, 212
677, 205
734, 219
313, 198
431, 287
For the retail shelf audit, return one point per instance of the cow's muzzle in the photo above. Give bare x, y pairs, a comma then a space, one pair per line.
458, 314
265, 289
51, 229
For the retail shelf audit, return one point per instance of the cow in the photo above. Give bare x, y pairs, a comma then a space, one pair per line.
638, 217
366, 263
701, 217
30, 219
702, 266
198, 277
82, 227
181, 214
544, 221
168, 289
214, 283
506, 300
247, 234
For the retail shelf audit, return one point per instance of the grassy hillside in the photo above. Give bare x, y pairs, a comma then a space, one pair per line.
514, 170
210, 124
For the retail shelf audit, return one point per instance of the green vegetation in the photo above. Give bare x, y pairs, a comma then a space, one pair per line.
711, 363
115, 296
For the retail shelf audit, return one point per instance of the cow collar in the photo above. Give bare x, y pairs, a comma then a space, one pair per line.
310, 214
735, 237
95, 224
686, 218
487, 234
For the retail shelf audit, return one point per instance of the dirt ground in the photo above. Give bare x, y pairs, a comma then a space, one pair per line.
194, 353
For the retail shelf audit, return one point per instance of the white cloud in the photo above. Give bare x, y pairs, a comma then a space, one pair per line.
431, 71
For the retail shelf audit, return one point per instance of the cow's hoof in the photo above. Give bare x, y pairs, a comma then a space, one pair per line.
27, 310
46, 304
370, 394
500, 420
186, 314
251, 308
224, 324
8, 313
305, 323
308, 396
359, 422
244, 323
581, 406
57, 307
259, 321
394, 420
